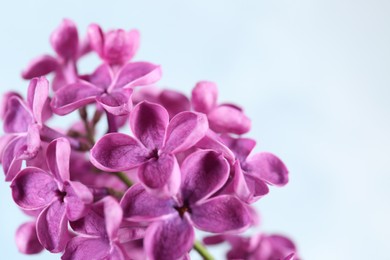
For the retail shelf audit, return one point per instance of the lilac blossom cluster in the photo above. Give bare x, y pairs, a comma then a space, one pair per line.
185, 166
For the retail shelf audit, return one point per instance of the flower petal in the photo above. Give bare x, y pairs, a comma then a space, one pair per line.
38, 92
80, 248
117, 103
33, 188
174, 102
77, 200
139, 205
18, 116
257, 188
96, 38
52, 227
169, 239
241, 147
135, 74
184, 131
58, 156
267, 167
212, 141
13, 156
221, 214
65, 40
73, 96
113, 216
101, 77
118, 152
120, 46
204, 172
161, 176
26, 239
229, 119
204, 96
148, 122
40, 66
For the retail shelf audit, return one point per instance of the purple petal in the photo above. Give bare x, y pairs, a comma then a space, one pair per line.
228, 119
26, 239
65, 40
118, 152
40, 66
80, 248
101, 77
33, 188
139, 205
52, 227
204, 172
174, 102
17, 117
73, 96
169, 239
267, 167
13, 155
149, 122
184, 131
161, 176
221, 214
38, 92
4, 141
117, 102
113, 216
241, 147
96, 38
137, 74
204, 96
212, 141
257, 188
58, 156
120, 46
77, 200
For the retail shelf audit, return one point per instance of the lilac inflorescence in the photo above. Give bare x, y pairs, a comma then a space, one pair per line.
184, 165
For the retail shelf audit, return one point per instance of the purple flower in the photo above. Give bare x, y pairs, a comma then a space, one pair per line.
65, 42
253, 172
59, 198
23, 122
257, 247
115, 47
157, 140
113, 92
225, 118
27, 240
171, 235
97, 233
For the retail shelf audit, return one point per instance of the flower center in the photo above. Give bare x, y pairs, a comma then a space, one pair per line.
183, 209
60, 195
153, 154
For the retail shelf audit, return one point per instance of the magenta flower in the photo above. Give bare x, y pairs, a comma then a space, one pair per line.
27, 240
115, 47
112, 92
65, 42
204, 173
52, 192
157, 140
257, 247
225, 118
97, 233
23, 122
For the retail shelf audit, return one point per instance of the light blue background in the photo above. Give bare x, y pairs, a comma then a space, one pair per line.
313, 76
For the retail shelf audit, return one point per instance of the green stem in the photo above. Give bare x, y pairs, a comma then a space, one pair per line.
123, 177
90, 130
201, 249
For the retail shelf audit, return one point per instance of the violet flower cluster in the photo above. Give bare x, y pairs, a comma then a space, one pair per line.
139, 194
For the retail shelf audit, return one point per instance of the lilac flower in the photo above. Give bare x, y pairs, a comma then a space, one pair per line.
115, 47
23, 122
257, 247
27, 240
253, 172
65, 42
157, 140
97, 233
225, 118
204, 173
111, 91
59, 198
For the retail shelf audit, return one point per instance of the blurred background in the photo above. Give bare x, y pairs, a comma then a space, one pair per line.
312, 75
